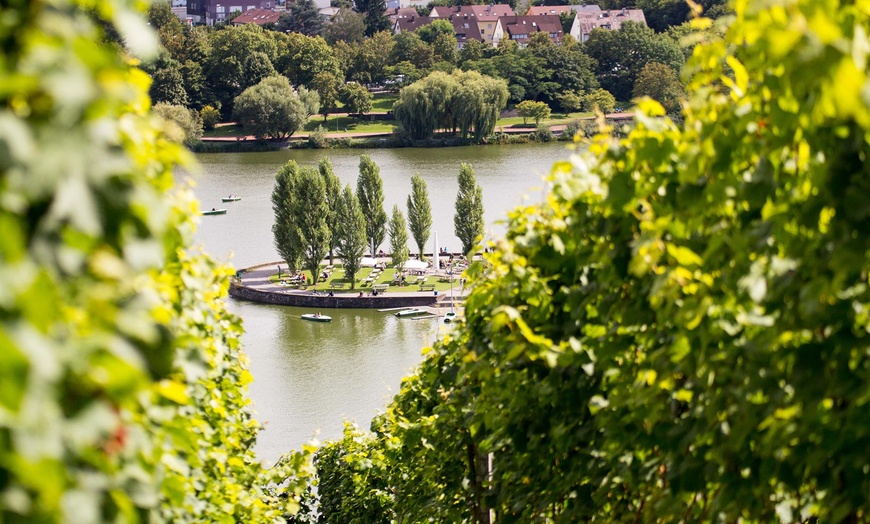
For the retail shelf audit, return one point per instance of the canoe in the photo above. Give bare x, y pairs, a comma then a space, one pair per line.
215, 212
410, 312
231, 199
315, 317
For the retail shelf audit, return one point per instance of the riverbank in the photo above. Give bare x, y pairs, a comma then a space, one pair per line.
503, 135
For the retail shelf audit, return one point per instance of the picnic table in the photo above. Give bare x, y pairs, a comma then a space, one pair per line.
427, 287
336, 285
380, 287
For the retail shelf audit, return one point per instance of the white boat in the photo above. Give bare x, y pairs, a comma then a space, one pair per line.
411, 312
449, 317
231, 198
316, 317
215, 212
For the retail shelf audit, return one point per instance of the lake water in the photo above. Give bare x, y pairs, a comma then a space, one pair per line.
310, 377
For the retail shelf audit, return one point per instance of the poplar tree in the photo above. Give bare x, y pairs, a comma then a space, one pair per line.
333, 197
419, 213
285, 234
351, 242
468, 221
398, 238
310, 210
370, 193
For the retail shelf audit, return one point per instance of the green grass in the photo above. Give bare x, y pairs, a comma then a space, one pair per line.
346, 124
386, 277
383, 102
231, 129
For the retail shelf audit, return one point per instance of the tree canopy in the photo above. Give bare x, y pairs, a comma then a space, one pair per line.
398, 229
350, 243
468, 220
370, 193
419, 213
270, 109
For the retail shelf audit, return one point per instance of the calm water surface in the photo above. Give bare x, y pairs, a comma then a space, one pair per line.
310, 377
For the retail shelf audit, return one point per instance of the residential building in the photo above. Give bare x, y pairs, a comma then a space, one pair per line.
559, 9
521, 28
217, 11
260, 17
394, 13
586, 21
486, 16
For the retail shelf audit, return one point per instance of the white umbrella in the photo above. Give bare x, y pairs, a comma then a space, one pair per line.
416, 264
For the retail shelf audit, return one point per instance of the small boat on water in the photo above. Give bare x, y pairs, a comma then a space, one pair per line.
316, 317
449, 317
215, 212
411, 312
231, 198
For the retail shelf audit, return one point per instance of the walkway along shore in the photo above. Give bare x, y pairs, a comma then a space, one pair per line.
254, 285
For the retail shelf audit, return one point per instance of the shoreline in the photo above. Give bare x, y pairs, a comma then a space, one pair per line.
252, 284
503, 136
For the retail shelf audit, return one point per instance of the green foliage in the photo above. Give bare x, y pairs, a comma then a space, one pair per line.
317, 138
350, 242
301, 58
356, 98
303, 17
210, 117
599, 100
536, 110
285, 233
347, 25
184, 125
370, 193
352, 480
398, 230
679, 333
327, 86
238, 57
270, 109
310, 98
375, 15
419, 213
124, 388
430, 32
167, 86
622, 54
310, 212
660, 83
468, 220
332, 188
464, 99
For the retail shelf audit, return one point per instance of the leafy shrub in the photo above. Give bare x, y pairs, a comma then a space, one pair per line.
210, 117
317, 138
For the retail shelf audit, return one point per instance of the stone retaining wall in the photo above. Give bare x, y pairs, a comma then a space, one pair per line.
344, 301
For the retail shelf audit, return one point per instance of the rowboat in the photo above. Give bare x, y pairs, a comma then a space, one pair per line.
215, 212
449, 317
411, 312
316, 317
231, 198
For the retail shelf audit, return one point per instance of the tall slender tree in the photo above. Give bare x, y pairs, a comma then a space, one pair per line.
351, 242
310, 210
370, 192
419, 212
285, 234
398, 238
332, 185
468, 221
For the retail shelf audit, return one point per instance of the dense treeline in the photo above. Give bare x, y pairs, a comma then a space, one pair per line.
123, 389
680, 334
208, 66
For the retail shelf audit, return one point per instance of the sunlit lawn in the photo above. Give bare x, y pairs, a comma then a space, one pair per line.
338, 282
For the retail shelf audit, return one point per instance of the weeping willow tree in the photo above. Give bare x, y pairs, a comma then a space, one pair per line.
468, 101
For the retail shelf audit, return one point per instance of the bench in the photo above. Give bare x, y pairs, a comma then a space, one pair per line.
380, 288
336, 285
427, 287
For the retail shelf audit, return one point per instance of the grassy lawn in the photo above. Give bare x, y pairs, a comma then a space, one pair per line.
230, 129
555, 119
383, 102
341, 124
337, 283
